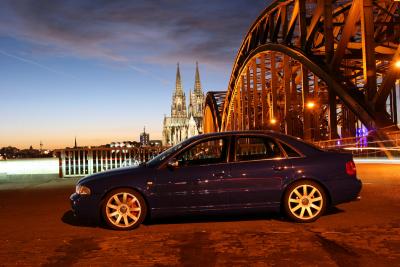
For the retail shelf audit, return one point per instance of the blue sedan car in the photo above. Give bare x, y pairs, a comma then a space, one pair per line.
231, 171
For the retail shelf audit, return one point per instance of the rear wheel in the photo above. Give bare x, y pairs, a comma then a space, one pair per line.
304, 201
123, 209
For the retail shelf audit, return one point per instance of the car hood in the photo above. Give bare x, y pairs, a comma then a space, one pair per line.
132, 170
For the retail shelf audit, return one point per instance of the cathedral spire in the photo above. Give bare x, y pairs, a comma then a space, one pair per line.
197, 84
184, 121
178, 108
178, 86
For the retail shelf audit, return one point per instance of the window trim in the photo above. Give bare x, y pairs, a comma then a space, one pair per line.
236, 137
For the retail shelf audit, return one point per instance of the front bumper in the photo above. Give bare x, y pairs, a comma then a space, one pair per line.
85, 207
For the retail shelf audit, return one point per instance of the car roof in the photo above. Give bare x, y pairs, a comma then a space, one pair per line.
264, 132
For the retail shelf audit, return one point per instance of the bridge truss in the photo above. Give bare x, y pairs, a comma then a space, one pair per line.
315, 69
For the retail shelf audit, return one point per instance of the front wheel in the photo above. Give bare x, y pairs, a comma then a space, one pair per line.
304, 201
123, 209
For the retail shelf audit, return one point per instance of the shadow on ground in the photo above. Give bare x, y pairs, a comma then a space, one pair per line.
71, 219
204, 218
250, 216
332, 211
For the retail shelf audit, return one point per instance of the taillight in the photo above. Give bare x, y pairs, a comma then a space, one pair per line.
351, 168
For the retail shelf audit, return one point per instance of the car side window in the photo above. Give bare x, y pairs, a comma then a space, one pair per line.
256, 148
291, 153
207, 152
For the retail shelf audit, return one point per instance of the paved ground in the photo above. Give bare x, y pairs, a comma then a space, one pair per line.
37, 229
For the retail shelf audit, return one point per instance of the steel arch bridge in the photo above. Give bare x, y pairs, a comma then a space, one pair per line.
313, 69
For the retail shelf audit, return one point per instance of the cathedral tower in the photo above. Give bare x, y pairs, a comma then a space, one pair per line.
196, 97
184, 122
178, 107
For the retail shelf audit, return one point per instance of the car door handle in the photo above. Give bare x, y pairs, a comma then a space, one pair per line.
219, 175
278, 168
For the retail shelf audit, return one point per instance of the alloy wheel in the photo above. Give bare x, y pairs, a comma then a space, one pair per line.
305, 202
123, 210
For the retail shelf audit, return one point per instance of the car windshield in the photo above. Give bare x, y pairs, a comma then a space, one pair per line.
159, 158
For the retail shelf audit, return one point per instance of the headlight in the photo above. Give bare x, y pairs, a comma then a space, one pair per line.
82, 190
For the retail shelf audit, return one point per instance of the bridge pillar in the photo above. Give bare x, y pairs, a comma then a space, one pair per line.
318, 111
274, 92
287, 75
307, 130
332, 118
242, 103
264, 95
255, 96
248, 94
368, 49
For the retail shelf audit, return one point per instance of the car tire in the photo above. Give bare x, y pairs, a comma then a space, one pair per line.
304, 201
123, 209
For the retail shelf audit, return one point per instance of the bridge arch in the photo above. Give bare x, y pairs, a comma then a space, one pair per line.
337, 57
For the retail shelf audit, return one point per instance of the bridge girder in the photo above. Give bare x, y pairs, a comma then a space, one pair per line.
213, 111
337, 54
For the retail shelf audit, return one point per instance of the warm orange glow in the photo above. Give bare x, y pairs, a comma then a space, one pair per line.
310, 105
273, 121
397, 64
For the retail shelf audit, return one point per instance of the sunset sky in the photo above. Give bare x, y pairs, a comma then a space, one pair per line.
101, 70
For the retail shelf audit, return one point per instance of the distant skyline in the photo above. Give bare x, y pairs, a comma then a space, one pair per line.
102, 70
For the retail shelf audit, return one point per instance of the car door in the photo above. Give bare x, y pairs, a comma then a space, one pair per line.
197, 180
258, 169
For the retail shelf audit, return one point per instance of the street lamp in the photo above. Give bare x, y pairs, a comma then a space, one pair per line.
310, 105
273, 121
308, 115
397, 64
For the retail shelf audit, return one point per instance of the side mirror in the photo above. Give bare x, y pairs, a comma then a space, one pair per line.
173, 163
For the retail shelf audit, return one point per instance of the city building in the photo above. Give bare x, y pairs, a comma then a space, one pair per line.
144, 138
15, 153
184, 121
127, 144
144, 141
156, 143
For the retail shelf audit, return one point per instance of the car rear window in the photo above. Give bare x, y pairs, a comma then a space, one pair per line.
299, 144
290, 152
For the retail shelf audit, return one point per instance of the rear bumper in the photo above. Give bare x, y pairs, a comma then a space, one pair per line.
85, 208
345, 190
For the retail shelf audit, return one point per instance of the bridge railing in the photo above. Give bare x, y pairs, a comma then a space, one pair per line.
366, 146
76, 162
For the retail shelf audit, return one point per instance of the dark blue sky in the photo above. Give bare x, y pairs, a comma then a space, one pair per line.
101, 70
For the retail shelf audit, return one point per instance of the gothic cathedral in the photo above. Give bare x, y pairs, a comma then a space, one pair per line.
184, 122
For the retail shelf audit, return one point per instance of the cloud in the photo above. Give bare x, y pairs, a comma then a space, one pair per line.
150, 74
38, 65
139, 31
